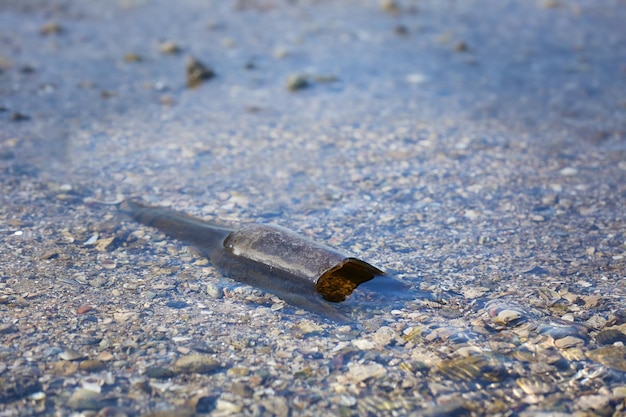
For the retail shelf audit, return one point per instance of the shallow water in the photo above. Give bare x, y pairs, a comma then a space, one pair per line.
472, 150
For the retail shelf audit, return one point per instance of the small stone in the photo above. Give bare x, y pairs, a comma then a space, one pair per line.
471, 214
64, 367
461, 47
573, 354
416, 78
169, 47
83, 399
105, 356
242, 389
124, 316
91, 365
619, 392
568, 342
71, 355
613, 357
357, 372
389, 6
610, 336
505, 317
297, 82
195, 363
227, 407
203, 403
235, 372
347, 400
568, 172
364, 344
384, 336
177, 304
200, 346
197, 72
18, 117
132, 57
306, 327
592, 402
84, 309
51, 28
159, 372
215, 290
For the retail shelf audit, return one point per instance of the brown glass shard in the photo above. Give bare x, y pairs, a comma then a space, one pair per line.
266, 256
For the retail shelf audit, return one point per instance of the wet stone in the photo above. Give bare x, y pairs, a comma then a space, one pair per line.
194, 363
613, 357
159, 372
610, 336
297, 82
92, 365
200, 346
242, 389
177, 304
71, 355
533, 386
215, 290
568, 342
357, 372
197, 72
203, 403
83, 399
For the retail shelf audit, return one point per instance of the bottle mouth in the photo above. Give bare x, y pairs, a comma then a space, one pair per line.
338, 282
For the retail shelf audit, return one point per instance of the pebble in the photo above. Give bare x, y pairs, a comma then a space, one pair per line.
202, 403
105, 356
242, 389
92, 365
297, 82
364, 344
51, 28
159, 372
83, 399
227, 406
169, 47
177, 304
197, 72
71, 355
195, 363
306, 328
215, 290
384, 336
619, 392
568, 171
568, 342
358, 372
534, 386
592, 402
613, 357
610, 336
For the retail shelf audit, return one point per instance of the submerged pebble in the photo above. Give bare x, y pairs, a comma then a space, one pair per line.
195, 363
